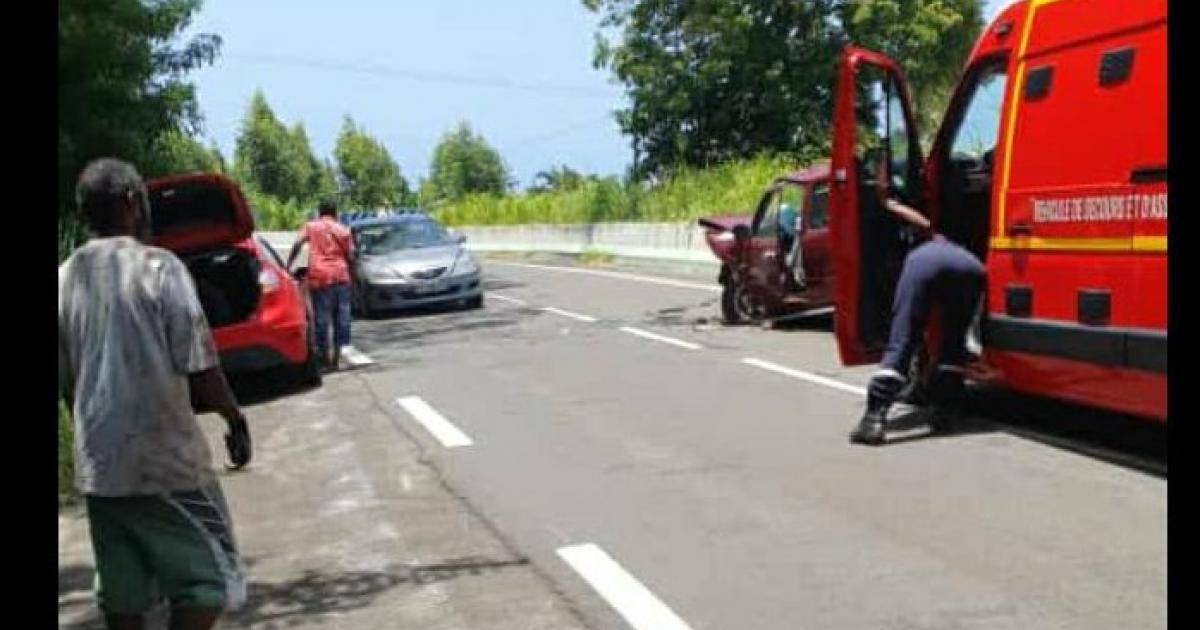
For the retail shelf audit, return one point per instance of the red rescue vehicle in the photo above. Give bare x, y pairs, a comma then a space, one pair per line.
1051, 166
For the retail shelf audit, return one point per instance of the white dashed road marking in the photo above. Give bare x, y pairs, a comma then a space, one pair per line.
807, 376
441, 428
505, 298
620, 589
620, 276
355, 358
657, 337
559, 311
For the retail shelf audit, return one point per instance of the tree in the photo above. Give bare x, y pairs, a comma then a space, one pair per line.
177, 152
372, 178
930, 39
713, 80
121, 81
273, 159
464, 163
559, 178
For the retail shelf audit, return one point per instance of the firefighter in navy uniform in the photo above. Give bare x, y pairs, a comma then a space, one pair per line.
937, 272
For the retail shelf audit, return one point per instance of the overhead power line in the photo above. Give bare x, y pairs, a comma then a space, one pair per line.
420, 75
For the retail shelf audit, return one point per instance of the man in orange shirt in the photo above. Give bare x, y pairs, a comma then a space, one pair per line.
330, 248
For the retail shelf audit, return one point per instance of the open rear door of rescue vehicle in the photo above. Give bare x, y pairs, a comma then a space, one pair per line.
873, 123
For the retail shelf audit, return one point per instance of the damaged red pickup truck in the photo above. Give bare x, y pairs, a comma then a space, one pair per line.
759, 276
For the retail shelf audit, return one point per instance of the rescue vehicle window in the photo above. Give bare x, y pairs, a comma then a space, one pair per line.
979, 130
897, 139
883, 131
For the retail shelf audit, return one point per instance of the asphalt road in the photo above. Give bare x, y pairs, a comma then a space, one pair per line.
664, 471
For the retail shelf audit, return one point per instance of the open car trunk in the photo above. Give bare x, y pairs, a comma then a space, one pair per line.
201, 217
227, 284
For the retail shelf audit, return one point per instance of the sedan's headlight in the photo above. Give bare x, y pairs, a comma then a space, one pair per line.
465, 265
380, 273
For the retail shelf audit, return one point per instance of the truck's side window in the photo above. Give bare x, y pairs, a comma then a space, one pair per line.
818, 210
768, 222
792, 195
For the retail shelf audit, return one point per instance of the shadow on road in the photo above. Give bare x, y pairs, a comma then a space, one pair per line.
255, 388
311, 596
383, 338
500, 285
1118, 439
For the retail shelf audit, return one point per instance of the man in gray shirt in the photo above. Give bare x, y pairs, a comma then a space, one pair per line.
134, 351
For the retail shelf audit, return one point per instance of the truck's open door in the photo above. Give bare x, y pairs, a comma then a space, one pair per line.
873, 124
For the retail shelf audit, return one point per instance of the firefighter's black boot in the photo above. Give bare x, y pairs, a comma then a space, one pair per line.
882, 391
948, 392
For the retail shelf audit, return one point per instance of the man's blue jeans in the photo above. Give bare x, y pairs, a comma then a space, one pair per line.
332, 302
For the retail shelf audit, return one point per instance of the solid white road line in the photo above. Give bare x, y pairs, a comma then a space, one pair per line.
657, 337
618, 275
807, 376
446, 433
355, 358
559, 311
505, 298
621, 590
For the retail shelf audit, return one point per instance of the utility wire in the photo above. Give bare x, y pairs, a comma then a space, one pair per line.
418, 75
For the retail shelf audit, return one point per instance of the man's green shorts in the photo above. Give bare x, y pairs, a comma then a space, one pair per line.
179, 547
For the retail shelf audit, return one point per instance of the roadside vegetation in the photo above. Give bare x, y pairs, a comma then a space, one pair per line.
730, 188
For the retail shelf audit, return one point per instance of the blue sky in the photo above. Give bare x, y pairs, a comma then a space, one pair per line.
518, 70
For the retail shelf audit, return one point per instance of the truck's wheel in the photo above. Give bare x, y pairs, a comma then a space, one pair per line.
735, 304
729, 310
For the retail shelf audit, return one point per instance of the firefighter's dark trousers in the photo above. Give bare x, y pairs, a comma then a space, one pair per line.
942, 273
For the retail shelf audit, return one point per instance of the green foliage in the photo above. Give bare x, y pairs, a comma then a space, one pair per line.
929, 38
731, 188
372, 178
66, 455
273, 159
121, 86
272, 214
463, 164
595, 257
180, 153
559, 178
714, 80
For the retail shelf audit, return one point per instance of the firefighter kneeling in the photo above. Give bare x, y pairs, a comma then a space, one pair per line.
937, 272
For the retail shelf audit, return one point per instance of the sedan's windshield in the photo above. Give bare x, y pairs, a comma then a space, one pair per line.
383, 239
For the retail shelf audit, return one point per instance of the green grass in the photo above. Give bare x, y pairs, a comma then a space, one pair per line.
731, 188
595, 257
66, 456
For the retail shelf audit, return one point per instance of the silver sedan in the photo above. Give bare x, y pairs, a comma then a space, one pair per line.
410, 260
